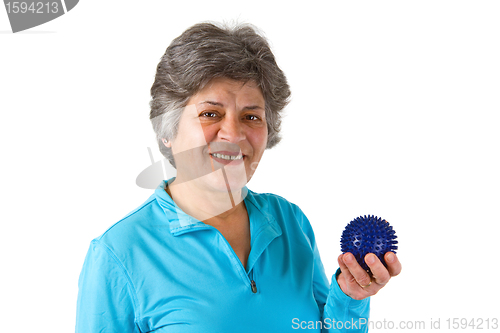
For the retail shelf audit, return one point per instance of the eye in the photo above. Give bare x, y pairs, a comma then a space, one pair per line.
252, 117
208, 114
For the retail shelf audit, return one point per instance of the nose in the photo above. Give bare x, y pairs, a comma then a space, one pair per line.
231, 129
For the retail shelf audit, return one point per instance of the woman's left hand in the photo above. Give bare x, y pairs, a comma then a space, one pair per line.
357, 283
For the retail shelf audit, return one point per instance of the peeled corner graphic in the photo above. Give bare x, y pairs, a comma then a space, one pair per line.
27, 14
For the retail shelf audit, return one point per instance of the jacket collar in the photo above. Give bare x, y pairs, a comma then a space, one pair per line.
179, 222
263, 226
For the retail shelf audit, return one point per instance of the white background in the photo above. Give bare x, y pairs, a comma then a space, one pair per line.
394, 113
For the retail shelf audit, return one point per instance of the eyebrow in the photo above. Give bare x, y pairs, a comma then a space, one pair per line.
212, 103
253, 107
250, 107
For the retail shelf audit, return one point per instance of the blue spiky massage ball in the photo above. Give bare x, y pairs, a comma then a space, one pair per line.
368, 234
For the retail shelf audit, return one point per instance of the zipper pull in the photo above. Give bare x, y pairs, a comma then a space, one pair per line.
254, 286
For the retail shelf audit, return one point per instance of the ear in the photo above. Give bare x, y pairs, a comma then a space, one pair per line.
167, 143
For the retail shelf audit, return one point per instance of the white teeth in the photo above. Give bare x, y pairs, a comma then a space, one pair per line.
228, 157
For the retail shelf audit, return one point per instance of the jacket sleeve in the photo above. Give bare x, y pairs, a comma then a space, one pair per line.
339, 312
105, 295
342, 313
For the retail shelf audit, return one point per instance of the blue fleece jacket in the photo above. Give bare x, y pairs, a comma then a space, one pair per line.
161, 270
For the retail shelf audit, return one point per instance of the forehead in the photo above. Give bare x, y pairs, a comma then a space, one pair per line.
229, 88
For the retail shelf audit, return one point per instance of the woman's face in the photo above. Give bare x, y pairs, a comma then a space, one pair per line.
222, 135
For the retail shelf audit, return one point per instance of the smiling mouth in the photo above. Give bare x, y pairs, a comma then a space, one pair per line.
227, 157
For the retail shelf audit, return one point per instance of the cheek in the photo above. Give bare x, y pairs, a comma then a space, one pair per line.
259, 141
209, 133
188, 137
190, 132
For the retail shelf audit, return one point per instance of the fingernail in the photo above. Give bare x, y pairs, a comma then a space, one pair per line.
390, 257
370, 259
347, 257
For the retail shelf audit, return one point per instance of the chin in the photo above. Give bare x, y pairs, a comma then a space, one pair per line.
219, 180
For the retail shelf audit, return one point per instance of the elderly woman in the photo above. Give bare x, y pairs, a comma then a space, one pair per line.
204, 253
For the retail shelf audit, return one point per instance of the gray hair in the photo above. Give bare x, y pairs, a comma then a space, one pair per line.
207, 51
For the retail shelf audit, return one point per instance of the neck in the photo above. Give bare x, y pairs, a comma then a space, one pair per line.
205, 204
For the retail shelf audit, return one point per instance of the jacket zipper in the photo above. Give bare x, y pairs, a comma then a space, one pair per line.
253, 284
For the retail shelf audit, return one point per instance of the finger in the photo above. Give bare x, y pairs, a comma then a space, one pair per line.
357, 272
380, 274
393, 264
346, 281
349, 285
346, 274
345, 271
